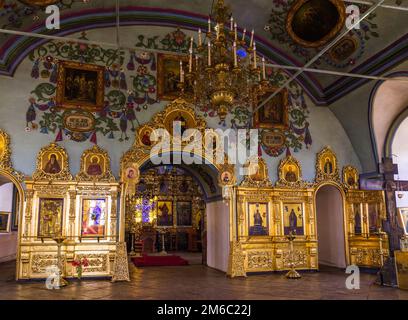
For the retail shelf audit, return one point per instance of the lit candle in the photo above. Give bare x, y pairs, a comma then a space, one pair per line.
252, 38
209, 25
190, 62
243, 35
209, 53
196, 62
232, 23
199, 38
263, 69
191, 43
217, 30
255, 56
235, 30
181, 72
235, 55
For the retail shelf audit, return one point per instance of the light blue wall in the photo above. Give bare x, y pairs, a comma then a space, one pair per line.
15, 92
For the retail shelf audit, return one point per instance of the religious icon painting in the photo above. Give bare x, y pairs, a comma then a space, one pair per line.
168, 76
373, 217
293, 218
289, 171
94, 213
144, 136
95, 165
52, 164
258, 219
184, 213
4, 222
50, 217
403, 214
358, 218
350, 177
164, 213
327, 165
80, 86
274, 113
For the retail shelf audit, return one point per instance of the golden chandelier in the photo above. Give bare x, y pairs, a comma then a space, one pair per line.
225, 69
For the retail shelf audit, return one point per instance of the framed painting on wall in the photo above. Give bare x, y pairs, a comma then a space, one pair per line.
293, 218
184, 213
4, 222
93, 217
274, 114
80, 86
165, 213
258, 219
50, 217
168, 76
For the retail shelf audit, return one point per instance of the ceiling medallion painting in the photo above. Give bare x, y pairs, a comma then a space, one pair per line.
313, 23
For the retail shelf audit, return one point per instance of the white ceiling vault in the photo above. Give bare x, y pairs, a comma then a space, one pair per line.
380, 44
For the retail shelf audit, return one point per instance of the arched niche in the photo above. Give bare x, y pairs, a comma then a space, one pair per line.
387, 103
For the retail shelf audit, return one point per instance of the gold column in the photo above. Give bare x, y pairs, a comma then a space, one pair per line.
28, 213
114, 196
72, 213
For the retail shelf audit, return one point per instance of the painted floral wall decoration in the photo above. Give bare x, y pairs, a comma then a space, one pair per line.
131, 88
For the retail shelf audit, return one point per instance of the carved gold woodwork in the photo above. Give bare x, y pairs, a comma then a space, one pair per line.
36, 253
327, 166
95, 166
350, 177
290, 174
257, 175
47, 170
6, 166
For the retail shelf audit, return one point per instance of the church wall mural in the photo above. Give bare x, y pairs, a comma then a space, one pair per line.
40, 114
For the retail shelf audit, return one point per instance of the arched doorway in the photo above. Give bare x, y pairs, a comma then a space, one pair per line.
211, 236
330, 226
11, 208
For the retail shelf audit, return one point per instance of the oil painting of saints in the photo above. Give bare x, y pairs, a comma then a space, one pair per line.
357, 219
81, 85
94, 168
52, 166
328, 166
50, 217
93, 217
165, 213
290, 175
258, 219
293, 218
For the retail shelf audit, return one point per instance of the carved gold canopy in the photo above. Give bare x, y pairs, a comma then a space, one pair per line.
290, 174
52, 164
256, 174
144, 147
350, 177
95, 166
327, 166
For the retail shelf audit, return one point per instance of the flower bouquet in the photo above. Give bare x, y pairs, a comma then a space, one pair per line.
79, 264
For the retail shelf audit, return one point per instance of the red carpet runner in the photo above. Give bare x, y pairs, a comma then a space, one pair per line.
149, 261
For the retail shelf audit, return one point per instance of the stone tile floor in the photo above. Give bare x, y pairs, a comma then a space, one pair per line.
199, 282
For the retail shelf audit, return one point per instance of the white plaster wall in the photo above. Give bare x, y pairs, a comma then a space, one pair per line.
8, 241
400, 150
217, 235
330, 227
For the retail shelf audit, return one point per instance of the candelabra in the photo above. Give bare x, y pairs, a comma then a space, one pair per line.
226, 71
59, 280
292, 273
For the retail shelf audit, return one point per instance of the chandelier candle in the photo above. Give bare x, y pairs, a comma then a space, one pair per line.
252, 38
243, 36
200, 40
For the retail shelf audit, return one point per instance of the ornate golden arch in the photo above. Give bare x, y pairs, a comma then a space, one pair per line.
141, 151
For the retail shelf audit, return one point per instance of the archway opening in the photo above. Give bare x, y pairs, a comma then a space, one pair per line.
330, 227
190, 218
10, 205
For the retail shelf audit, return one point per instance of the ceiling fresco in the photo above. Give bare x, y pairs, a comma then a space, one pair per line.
288, 32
